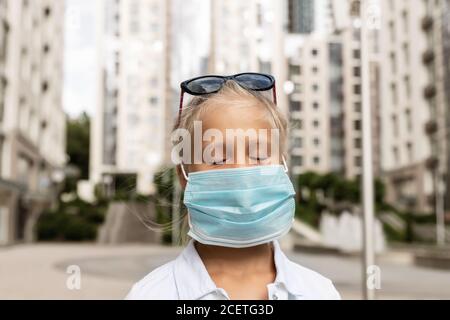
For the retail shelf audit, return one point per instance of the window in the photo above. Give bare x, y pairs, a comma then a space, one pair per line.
47, 12
314, 52
297, 161
294, 70
24, 166
357, 125
44, 86
316, 160
297, 142
316, 123
316, 106
357, 71
316, 142
3, 87
396, 154
357, 89
395, 125
407, 86
408, 119
1, 154
358, 143
154, 27
154, 82
154, 101
394, 96
393, 62
297, 124
392, 31
405, 18
315, 87
295, 106
357, 54
409, 150
406, 52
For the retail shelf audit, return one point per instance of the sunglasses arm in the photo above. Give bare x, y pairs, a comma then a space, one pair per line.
275, 94
181, 106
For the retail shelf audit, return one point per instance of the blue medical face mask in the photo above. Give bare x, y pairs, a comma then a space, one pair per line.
241, 207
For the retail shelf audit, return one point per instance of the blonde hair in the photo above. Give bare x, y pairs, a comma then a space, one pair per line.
232, 94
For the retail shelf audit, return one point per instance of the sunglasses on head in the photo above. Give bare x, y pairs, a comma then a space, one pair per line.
212, 84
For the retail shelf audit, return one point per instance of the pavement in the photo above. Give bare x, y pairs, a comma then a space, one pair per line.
40, 271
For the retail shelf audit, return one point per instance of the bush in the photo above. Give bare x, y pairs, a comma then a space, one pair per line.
73, 221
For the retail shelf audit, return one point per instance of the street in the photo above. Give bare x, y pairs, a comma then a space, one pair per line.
108, 272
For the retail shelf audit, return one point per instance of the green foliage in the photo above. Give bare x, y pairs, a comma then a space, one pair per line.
72, 221
339, 193
393, 234
78, 131
164, 181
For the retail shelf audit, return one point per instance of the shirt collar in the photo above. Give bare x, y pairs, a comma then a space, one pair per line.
193, 281
287, 275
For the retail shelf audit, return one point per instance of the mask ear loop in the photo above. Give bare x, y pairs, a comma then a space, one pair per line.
286, 168
184, 172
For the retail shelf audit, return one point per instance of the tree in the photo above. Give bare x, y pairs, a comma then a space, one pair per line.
78, 133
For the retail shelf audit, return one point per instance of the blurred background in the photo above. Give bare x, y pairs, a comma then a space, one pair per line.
89, 91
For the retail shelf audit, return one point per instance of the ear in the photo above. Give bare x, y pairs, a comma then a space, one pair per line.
181, 177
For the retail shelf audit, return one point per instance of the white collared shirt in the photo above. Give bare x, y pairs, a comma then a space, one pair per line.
186, 278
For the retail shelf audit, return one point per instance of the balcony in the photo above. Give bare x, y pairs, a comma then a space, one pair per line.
432, 163
428, 56
427, 23
431, 127
430, 91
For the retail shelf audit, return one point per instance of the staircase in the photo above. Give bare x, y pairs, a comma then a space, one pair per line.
123, 225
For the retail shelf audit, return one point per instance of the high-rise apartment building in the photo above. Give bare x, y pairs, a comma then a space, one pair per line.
245, 36
129, 130
308, 16
436, 25
406, 149
326, 102
32, 121
316, 106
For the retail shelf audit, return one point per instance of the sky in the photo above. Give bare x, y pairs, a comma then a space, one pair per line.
80, 63
80, 58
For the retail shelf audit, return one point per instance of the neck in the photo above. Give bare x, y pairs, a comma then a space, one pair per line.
238, 261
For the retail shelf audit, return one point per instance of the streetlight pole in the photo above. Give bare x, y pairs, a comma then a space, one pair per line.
367, 167
440, 211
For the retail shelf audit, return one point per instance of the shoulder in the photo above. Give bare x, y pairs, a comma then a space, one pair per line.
157, 285
318, 287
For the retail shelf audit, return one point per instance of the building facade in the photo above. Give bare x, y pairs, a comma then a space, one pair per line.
32, 121
406, 150
129, 127
436, 58
245, 36
310, 104
308, 16
326, 102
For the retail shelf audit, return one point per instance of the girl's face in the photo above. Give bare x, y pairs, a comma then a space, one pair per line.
238, 150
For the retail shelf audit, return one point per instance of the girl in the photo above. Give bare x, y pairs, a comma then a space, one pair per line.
237, 208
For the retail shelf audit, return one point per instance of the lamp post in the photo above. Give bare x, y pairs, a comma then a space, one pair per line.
367, 163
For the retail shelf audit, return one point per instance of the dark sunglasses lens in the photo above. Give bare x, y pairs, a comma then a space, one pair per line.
205, 85
255, 81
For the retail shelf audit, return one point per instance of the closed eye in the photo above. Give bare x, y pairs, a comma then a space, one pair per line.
259, 159
219, 162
